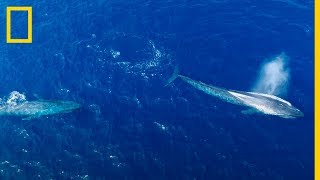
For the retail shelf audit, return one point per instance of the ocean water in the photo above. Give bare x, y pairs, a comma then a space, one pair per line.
114, 58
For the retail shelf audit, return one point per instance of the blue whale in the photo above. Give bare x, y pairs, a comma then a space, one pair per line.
256, 102
34, 109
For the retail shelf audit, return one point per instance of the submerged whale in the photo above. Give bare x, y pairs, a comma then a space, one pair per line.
256, 102
34, 109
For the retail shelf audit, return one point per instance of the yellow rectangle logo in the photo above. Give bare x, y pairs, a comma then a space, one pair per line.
317, 90
19, 8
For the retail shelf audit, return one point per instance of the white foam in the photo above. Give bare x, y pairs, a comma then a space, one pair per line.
154, 65
15, 97
115, 54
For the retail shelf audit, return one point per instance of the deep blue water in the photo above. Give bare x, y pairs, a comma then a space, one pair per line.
114, 58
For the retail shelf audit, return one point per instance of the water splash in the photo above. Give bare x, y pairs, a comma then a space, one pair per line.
14, 98
274, 76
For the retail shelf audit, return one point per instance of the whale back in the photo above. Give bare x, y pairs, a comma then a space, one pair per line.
272, 97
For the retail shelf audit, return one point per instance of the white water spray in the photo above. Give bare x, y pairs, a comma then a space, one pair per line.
274, 76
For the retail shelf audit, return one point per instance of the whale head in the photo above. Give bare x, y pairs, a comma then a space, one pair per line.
289, 111
268, 104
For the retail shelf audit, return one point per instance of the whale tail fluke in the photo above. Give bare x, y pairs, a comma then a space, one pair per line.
174, 76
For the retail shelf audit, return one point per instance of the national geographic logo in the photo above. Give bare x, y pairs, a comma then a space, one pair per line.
12, 40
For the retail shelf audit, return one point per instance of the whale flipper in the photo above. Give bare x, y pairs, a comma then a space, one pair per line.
249, 111
30, 117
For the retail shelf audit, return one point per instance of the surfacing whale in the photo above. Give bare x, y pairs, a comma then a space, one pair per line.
256, 102
34, 109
